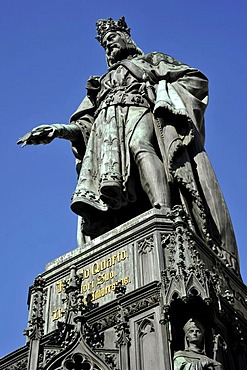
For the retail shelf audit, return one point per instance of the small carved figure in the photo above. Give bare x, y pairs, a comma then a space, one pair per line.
193, 357
145, 112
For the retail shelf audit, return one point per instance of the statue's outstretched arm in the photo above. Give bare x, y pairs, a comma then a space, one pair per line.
44, 134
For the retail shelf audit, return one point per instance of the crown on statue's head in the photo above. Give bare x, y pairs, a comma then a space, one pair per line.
109, 25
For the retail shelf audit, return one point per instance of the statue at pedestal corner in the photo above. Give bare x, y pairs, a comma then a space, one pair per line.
193, 357
140, 128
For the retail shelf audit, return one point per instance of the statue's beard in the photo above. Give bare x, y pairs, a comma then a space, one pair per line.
116, 54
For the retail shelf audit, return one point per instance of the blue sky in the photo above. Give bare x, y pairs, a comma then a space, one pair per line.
48, 52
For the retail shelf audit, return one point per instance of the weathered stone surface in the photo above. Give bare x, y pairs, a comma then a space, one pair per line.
172, 275
155, 246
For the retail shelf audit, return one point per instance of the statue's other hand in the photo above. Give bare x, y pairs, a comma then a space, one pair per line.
210, 365
43, 134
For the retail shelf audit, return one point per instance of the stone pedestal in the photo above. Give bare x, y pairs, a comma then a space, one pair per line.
120, 301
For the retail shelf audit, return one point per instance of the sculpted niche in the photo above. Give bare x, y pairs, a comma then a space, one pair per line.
138, 139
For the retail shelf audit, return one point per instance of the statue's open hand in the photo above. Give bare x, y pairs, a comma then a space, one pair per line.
43, 134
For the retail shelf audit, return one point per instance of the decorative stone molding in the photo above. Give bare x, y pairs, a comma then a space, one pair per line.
19, 365
122, 329
35, 328
79, 361
185, 274
141, 304
146, 245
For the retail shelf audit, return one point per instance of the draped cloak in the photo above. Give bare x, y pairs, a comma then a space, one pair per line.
180, 96
188, 360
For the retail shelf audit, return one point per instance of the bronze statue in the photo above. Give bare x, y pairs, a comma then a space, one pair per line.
193, 357
145, 112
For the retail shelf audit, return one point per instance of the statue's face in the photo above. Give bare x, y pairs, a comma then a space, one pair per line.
114, 44
194, 335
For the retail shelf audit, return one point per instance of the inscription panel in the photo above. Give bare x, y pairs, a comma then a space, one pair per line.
98, 278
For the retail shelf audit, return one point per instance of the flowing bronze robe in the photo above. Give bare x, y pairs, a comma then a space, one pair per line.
107, 125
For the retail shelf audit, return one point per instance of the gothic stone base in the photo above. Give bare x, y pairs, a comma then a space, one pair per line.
121, 300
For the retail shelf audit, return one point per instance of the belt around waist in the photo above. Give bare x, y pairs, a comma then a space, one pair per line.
123, 99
